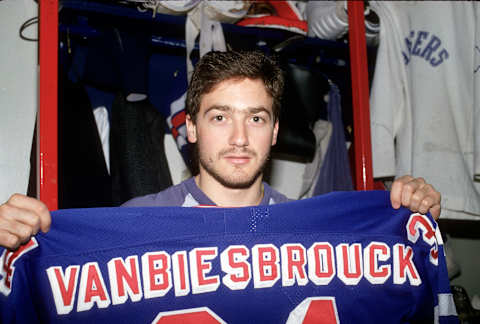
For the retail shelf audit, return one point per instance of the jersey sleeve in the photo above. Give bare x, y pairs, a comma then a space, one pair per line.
424, 233
444, 309
16, 305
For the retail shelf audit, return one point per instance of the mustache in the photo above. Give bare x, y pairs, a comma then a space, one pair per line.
241, 151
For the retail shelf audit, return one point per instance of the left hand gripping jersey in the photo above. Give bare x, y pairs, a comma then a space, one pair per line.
338, 258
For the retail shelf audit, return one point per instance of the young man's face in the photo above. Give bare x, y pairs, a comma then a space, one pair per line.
234, 130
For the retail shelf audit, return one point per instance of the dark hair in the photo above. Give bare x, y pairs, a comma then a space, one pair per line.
215, 67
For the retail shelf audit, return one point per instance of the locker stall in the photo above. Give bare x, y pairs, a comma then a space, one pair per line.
345, 64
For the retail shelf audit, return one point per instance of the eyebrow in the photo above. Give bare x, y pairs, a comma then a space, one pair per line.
252, 110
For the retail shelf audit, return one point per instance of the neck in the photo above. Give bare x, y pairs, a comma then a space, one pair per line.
230, 197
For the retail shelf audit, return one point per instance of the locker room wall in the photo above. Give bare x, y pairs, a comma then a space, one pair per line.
18, 95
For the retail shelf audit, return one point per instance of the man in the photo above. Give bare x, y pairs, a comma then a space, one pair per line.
233, 105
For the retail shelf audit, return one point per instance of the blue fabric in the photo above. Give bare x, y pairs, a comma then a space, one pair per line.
167, 80
335, 170
86, 241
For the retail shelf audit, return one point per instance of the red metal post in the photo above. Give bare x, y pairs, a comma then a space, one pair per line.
360, 97
47, 165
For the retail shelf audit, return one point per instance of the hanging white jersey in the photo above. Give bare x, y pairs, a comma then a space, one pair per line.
423, 114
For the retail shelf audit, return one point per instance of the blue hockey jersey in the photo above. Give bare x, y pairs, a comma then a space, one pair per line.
339, 258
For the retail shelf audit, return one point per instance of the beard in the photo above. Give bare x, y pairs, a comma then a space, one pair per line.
239, 178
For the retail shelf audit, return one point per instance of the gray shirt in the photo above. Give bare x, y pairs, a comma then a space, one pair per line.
188, 194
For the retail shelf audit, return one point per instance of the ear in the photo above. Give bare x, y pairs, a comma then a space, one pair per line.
275, 133
191, 129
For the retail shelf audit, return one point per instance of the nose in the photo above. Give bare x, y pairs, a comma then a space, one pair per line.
239, 136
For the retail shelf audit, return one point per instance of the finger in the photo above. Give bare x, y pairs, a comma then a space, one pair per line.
35, 206
22, 232
409, 189
431, 192
396, 191
11, 215
422, 199
430, 198
426, 203
431, 202
435, 211
8, 240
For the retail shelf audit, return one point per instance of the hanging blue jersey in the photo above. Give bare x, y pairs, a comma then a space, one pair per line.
339, 258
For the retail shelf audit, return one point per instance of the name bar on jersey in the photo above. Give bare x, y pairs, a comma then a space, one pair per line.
154, 274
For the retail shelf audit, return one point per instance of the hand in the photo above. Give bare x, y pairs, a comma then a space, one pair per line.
416, 195
21, 217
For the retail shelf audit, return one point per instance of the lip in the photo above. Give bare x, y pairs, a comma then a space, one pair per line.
238, 159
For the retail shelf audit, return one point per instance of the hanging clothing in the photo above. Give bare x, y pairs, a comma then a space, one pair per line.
137, 157
329, 20
103, 127
102, 106
335, 172
423, 114
83, 178
323, 134
286, 15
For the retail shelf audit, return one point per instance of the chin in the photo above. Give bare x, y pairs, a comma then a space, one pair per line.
237, 182
237, 178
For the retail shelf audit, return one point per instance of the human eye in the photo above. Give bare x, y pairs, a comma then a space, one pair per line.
258, 119
218, 118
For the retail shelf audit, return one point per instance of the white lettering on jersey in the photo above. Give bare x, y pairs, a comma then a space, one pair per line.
64, 287
372, 254
321, 263
403, 266
181, 281
194, 271
234, 264
124, 279
266, 267
92, 288
293, 264
420, 224
157, 278
200, 267
349, 263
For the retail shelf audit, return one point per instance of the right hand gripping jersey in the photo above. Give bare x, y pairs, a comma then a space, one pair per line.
338, 258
